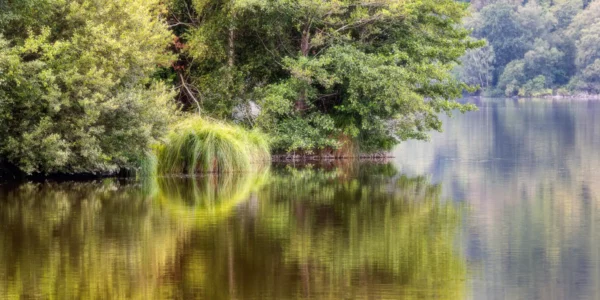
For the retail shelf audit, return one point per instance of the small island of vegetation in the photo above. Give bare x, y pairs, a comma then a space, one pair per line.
187, 86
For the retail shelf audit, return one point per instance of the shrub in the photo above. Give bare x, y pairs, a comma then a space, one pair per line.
76, 94
196, 145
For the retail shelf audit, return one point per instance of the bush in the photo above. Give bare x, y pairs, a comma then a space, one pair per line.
493, 93
196, 145
76, 94
535, 88
564, 92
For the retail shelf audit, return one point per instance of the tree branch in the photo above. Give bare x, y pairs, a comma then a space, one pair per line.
190, 93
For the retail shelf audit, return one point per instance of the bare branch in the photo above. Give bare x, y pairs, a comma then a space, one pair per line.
180, 23
360, 22
190, 93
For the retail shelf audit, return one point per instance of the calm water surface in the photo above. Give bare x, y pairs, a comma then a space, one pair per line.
505, 204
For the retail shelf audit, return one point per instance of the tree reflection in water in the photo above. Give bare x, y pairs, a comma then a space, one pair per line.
349, 231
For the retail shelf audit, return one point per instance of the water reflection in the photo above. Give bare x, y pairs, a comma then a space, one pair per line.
96, 240
339, 232
530, 171
333, 234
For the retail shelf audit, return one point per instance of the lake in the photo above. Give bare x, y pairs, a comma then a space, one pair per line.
504, 204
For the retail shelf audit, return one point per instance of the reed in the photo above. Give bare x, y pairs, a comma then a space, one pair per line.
196, 145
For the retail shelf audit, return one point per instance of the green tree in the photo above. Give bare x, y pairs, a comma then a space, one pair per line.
500, 25
75, 88
588, 80
536, 20
587, 46
533, 33
545, 60
221, 58
585, 29
535, 87
323, 72
17, 15
512, 77
565, 11
477, 67
584, 19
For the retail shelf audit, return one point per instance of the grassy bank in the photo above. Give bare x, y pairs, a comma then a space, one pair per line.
197, 145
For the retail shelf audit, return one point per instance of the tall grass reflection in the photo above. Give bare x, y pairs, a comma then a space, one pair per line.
206, 199
339, 232
335, 232
106, 239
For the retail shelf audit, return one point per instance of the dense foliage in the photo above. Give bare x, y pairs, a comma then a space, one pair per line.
535, 48
201, 146
322, 72
75, 88
87, 86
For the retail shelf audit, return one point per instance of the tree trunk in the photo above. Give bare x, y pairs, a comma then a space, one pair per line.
305, 42
231, 44
300, 104
231, 37
231, 53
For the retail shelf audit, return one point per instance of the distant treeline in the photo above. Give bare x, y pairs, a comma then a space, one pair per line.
534, 48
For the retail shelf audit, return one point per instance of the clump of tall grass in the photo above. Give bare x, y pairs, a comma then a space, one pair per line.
149, 165
196, 145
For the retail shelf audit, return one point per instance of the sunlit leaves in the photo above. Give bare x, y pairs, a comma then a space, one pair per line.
323, 69
77, 94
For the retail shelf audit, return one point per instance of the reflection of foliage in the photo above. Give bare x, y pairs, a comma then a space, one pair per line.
330, 234
339, 232
209, 198
81, 240
528, 170
106, 240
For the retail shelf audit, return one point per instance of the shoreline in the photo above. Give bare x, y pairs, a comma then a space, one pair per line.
282, 158
7, 177
557, 97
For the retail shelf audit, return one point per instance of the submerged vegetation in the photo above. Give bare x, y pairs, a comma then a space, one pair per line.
90, 86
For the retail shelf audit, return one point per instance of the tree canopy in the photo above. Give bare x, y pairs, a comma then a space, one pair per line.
88, 86
324, 72
539, 47
75, 88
